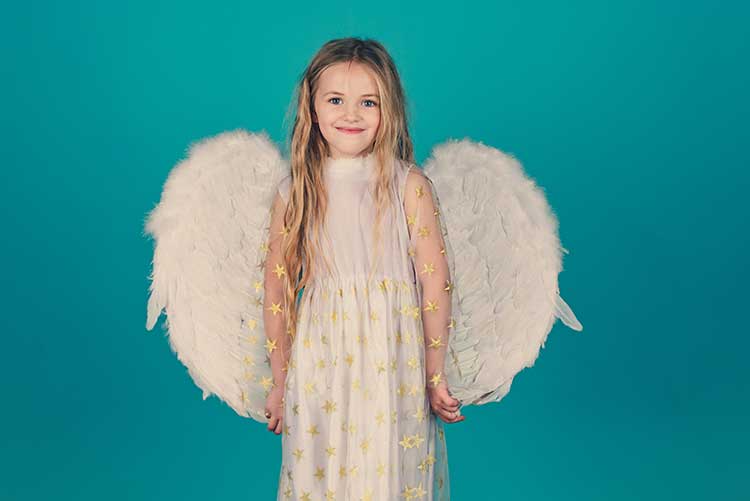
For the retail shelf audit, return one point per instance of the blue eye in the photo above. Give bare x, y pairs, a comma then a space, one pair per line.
374, 103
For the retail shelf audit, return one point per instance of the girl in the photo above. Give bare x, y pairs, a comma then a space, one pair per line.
358, 391
393, 332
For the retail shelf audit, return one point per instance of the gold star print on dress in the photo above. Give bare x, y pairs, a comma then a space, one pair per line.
365, 425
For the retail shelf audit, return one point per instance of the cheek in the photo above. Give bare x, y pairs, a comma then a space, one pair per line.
374, 119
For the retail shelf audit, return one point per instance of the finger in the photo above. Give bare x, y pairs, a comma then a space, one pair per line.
457, 419
446, 416
450, 416
448, 405
272, 421
278, 427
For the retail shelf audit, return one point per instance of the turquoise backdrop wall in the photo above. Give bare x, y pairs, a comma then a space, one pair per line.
633, 116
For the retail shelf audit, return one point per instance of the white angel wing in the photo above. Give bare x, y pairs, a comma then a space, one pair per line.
209, 229
504, 257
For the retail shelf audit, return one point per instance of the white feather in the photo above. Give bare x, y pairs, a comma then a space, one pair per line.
208, 228
504, 257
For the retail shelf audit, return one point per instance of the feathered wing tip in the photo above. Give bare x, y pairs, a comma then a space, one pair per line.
504, 257
209, 229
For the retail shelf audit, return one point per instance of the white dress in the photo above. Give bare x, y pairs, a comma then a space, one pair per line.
357, 421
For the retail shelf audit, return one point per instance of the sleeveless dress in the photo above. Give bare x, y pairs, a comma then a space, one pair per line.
357, 420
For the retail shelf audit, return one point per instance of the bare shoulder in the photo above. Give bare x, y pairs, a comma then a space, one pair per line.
414, 174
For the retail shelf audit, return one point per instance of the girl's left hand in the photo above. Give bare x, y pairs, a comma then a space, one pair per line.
444, 405
275, 407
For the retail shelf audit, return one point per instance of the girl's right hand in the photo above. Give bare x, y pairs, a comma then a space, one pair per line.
275, 406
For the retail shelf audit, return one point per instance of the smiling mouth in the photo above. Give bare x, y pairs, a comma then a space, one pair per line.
348, 130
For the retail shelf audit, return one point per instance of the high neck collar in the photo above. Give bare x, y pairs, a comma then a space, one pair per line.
349, 165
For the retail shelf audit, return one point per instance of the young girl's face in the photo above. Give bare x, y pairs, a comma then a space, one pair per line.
347, 108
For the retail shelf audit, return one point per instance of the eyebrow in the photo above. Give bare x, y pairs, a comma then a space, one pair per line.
341, 94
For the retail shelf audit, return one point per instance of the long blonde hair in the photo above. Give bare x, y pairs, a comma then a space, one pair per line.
306, 208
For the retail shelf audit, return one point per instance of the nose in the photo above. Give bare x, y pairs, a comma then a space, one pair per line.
351, 111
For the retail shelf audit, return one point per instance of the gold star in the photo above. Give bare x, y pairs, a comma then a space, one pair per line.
331, 451
252, 324
448, 286
330, 495
401, 390
258, 285
367, 496
349, 359
423, 231
413, 362
342, 471
353, 470
306, 342
309, 387
420, 191
380, 366
379, 417
410, 220
279, 271
313, 430
365, 444
429, 268
419, 491
305, 496
275, 308
452, 323
270, 345
381, 469
298, 453
431, 306
319, 472
329, 406
419, 415
264, 247
408, 493
284, 231
267, 382
436, 342
417, 440
436, 378
295, 409
321, 363
411, 252
406, 442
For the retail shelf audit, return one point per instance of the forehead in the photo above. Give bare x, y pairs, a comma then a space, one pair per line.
348, 77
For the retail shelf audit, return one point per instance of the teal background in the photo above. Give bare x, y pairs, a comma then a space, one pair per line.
633, 116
